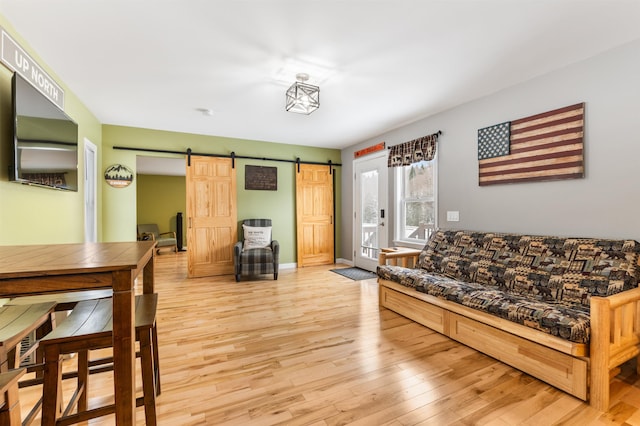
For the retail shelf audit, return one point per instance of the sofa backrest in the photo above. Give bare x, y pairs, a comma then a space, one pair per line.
568, 270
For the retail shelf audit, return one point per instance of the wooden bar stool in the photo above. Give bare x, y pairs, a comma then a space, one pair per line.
89, 327
61, 302
18, 322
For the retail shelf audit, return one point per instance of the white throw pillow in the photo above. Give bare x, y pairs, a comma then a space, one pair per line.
256, 237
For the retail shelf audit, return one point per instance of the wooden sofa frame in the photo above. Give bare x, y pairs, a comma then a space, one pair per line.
582, 370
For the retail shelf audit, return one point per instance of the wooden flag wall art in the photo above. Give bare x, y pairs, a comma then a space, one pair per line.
547, 146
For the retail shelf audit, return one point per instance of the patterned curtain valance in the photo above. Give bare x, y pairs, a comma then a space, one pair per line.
414, 151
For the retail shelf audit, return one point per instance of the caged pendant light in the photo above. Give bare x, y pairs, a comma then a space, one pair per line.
303, 98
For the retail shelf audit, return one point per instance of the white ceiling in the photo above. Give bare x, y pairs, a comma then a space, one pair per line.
153, 63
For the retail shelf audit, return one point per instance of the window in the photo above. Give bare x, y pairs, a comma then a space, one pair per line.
416, 201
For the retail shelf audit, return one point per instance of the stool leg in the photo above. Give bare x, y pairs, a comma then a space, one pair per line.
10, 410
156, 360
52, 389
4, 361
83, 379
42, 331
148, 386
12, 358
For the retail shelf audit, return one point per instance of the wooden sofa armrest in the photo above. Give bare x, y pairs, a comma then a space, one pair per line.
172, 234
407, 257
615, 339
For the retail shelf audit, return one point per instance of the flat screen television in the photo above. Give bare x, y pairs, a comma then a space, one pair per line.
45, 140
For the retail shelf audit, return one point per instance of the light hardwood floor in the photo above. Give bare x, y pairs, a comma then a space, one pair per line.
313, 348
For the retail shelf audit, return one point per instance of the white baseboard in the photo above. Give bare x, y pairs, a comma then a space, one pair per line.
295, 265
288, 266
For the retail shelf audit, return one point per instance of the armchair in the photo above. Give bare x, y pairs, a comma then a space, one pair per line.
150, 231
256, 253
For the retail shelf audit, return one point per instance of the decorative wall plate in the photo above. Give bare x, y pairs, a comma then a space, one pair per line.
118, 176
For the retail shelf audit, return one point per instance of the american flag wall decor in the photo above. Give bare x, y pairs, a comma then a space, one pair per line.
546, 146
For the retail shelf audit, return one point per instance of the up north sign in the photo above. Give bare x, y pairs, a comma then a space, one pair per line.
14, 57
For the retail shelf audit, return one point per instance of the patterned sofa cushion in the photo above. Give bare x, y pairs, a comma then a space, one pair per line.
406, 276
572, 270
472, 256
446, 288
565, 320
438, 247
550, 268
597, 268
543, 282
568, 321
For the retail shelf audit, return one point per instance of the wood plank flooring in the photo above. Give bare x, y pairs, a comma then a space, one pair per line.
313, 348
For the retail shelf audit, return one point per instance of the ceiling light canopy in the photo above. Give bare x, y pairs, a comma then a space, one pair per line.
301, 97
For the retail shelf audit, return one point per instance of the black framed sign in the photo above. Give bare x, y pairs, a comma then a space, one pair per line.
261, 178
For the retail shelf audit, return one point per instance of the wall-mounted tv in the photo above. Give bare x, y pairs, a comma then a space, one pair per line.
45, 140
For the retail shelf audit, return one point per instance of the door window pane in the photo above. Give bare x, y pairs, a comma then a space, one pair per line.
369, 214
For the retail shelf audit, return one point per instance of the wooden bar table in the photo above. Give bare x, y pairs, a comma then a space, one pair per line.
38, 269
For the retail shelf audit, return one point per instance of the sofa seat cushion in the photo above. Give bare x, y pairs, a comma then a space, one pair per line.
422, 281
405, 276
257, 261
562, 319
166, 242
567, 321
447, 288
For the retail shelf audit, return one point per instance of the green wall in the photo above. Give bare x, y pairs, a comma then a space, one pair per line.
119, 211
280, 205
33, 215
159, 198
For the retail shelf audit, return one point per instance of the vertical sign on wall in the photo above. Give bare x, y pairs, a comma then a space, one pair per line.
15, 57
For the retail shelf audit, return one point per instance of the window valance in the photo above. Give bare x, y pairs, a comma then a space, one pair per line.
414, 151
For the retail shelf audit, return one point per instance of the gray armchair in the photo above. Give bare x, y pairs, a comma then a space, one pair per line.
150, 231
251, 260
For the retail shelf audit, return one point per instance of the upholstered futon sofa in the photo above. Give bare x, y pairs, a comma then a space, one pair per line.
565, 310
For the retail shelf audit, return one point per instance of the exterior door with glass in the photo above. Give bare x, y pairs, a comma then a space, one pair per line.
371, 210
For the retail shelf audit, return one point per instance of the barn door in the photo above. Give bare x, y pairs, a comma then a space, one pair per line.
314, 212
212, 226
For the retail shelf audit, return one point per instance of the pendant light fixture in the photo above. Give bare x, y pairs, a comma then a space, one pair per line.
303, 98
